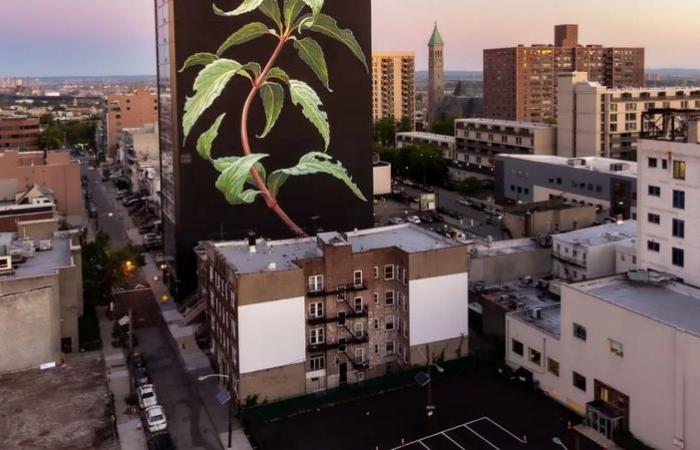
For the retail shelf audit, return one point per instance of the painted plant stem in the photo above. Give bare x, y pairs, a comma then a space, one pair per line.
270, 200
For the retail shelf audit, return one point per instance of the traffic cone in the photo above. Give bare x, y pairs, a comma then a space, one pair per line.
524, 438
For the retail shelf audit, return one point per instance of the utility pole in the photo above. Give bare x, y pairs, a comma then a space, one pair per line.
429, 406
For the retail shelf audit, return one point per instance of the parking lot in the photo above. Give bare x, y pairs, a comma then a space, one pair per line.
478, 434
474, 410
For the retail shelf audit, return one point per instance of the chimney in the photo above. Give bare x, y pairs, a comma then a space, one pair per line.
694, 130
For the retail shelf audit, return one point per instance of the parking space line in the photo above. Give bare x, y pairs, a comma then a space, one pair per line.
453, 441
483, 438
419, 440
499, 426
424, 445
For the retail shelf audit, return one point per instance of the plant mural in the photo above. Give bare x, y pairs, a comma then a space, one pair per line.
242, 179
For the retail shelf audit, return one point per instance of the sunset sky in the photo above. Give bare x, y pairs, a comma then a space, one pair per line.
115, 37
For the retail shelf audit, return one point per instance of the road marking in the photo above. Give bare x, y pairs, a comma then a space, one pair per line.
420, 440
499, 426
453, 441
421, 443
483, 438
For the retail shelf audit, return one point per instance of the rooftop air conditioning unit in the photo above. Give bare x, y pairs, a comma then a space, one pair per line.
536, 314
5, 265
44, 245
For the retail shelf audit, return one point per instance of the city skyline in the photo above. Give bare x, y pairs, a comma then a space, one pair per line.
118, 38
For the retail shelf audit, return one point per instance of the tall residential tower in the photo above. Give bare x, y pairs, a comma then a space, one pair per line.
393, 85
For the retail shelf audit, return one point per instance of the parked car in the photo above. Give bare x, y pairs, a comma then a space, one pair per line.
132, 202
151, 227
92, 210
137, 360
161, 441
427, 218
155, 419
141, 376
121, 194
396, 220
147, 396
413, 219
438, 218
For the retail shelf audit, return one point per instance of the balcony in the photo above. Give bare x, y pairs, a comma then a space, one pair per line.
354, 338
323, 292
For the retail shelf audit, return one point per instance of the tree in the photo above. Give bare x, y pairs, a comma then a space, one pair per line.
385, 132
443, 126
406, 124
470, 187
51, 138
47, 119
292, 25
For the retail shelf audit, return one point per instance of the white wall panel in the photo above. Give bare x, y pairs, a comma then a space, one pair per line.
271, 334
438, 308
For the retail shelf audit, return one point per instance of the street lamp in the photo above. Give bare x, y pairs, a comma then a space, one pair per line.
230, 405
429, 407
558, 442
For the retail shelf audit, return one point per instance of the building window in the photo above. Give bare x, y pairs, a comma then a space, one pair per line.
316, 283
317, 362
359, 329
359, 307
553, 367
316, 310
580, 331
678, 228
376, 298
580, 381
389, 323
517, 347
390, 348
679, 170
616, 348
389, 272
376, 272
654, 218
654, 191
534, 356
357, 277
679, 199
664, 164
653, 246
653, 162
389, 298
316, 336
678, 257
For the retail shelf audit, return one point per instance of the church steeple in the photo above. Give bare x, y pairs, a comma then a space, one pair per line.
436, 74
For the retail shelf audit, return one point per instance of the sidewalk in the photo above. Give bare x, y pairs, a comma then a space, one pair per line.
131, 435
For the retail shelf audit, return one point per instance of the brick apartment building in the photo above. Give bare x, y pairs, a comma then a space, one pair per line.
520, 83
19, 132
54, 170
302, 315
133, 110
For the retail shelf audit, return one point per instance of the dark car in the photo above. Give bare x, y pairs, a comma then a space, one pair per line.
427, 218
137, 360
161, 441
141, 376
438, 218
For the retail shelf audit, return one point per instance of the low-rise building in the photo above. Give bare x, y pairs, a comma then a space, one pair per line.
595, 120
41, 298
33, 204
623, 353
608, 184
381, 177
478, 141
132, 110
508, 260
20, 133
546, 218
297, 316
445, 143
590, 252
669, 195
53, 170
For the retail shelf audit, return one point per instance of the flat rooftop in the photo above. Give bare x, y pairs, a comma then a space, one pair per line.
589, 163
282, 255
673, 304
506, 247
507, 123
42, 262
548, 319
599, 235
427, 136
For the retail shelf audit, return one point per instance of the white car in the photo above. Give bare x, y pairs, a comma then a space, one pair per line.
147, 396
396, 221
413, 219
155, 419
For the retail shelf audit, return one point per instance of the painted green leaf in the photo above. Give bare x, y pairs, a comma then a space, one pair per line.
245, 34
253, 68
208, 85
278, 74
272, 10
234, 177
221, 164
309, 164
206, 139
328, 26
199, 59
312, 54
272, 95
316, 6
245, 7
303, 95
292, 9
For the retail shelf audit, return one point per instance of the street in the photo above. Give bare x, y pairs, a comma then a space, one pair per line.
189, 422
